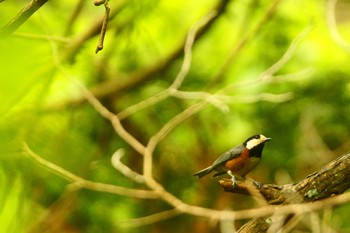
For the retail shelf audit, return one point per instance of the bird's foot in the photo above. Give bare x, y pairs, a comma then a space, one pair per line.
233, 179
257, 184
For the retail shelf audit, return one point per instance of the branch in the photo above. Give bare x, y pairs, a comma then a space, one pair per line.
147, 152
332, 26
269, 75
333, 179
21, 17
148, 220
159, 192
215, 99
113, 87
81, 182
104, 112
58, 39
162, 133
104, 26
190, 39
186, 64
125, 170
74, 16
245, 39
93, 30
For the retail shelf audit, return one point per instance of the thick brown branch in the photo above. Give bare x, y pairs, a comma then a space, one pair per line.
332, 179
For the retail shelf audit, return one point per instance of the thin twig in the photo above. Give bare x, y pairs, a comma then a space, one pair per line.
186, 64
104, 27
267, 75
287, 56
81, 182
274, 98
245, 39
161, 216
103, 111
143, 104
203, 96
153, 142
59, 39
74, 16
21, 17
99, 107
332, 26
114, 86
125, 170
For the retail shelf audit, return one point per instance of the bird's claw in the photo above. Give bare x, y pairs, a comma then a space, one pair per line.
233, 179
257, 184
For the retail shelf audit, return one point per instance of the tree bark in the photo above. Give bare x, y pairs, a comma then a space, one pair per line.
332, 179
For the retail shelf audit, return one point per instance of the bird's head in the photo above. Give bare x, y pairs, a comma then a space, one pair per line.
255, 141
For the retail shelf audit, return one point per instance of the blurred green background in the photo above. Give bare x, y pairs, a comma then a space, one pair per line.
142, 56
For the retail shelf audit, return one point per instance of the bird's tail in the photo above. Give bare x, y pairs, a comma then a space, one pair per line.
203, 172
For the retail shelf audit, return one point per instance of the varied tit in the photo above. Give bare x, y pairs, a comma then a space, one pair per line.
240, 160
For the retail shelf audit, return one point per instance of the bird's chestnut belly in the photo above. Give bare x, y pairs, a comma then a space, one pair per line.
242, 165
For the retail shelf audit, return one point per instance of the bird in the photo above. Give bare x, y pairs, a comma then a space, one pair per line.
239, 160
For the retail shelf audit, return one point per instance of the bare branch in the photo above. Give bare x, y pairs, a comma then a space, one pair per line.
153, 142
332, 26
93, 30
286, 57
245, 39
159, 192
186, 64
21, 17
72, 19
275, 98
143, 104
81, 182
210, 98
113, 87
294, 193
125, 170
161, 216
267, 75
59, 39
332, 179
104, 26
103, 111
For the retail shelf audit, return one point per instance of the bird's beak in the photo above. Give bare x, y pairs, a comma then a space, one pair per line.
267, 139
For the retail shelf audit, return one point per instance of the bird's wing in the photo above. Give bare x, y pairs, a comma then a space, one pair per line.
233, 153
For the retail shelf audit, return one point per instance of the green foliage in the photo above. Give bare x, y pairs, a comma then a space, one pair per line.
42, 105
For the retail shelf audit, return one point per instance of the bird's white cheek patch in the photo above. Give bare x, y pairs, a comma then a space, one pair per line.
252, 143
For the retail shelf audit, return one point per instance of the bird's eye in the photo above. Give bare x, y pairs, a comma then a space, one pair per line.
257, 136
